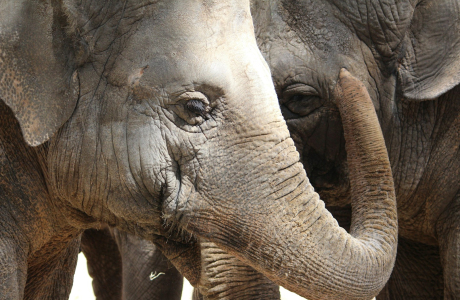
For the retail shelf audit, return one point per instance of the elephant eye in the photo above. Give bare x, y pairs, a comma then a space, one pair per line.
300, 100
198, 107
192, 107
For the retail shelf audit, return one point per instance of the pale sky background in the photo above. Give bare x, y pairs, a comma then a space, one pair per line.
82, 289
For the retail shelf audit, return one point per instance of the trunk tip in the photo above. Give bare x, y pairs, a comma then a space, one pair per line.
344, 73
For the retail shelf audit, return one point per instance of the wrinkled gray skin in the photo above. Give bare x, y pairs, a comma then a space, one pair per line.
408, 56
121, 264
160, 118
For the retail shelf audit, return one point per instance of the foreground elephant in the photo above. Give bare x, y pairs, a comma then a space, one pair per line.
160, 118
407, 55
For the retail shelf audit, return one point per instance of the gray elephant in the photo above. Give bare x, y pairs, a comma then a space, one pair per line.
159, 118
124, 266
407, 55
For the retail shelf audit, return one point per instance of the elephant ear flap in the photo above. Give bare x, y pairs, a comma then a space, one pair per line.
36, 77
431, 65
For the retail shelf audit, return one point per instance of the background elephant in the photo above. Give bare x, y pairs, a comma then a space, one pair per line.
407, 55
121, 264
113, 112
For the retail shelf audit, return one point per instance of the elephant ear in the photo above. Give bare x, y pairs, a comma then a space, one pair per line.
431, 65
36, 74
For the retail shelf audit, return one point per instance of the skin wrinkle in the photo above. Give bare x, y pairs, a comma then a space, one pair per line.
382, 25
95, 165
137, 178
374, 85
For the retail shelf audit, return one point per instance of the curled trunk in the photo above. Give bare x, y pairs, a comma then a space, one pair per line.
290, 236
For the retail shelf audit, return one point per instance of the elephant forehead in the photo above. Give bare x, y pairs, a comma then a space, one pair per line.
173, 71
217, 17
184, 26
182, 41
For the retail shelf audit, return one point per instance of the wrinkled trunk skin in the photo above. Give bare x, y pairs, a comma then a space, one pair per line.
121, 264
292, 239
223, 276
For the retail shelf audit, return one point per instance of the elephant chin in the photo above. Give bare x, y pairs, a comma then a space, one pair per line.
289, 236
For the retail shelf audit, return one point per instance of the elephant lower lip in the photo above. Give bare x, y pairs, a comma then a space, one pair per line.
324, 175
332, 187
325, 179
324, 182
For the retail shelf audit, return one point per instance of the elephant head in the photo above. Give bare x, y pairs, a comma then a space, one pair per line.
407, 55
154, 112
401, 52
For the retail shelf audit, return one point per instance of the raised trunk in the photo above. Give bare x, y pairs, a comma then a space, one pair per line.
295, 241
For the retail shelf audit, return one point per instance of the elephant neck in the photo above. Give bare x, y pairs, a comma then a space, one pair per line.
422, 141
30, 215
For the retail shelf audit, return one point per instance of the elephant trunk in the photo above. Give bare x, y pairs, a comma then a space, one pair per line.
296, 242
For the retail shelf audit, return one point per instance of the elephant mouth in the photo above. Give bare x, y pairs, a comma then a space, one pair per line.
177, 193
320, 143
171, 191
328, 177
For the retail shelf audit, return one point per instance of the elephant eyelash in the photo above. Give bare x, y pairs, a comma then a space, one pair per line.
198, 107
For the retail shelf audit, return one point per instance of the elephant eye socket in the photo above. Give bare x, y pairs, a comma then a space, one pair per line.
299, 100
198, 107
